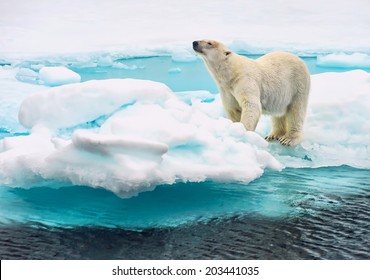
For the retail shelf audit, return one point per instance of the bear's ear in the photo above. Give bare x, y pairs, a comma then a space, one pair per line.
227, 53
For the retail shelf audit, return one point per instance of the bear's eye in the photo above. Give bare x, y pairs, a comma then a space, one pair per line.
209, 43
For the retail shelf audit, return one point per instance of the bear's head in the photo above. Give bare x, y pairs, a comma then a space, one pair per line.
211, 51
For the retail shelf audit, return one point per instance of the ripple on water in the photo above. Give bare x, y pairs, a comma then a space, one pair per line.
322, 219
329, 234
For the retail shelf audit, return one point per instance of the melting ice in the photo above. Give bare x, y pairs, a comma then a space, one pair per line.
129, 136
148, 136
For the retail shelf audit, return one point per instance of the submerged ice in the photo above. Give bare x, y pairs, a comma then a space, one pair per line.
129, 136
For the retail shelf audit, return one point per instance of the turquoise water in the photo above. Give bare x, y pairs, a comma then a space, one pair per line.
179, 76
314, 208
292, 192
294, 214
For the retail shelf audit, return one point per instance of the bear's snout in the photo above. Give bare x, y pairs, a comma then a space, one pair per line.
196, 46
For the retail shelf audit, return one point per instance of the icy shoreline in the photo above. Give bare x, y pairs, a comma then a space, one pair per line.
129, 136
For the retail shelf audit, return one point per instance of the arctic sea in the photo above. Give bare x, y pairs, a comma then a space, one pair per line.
316, 206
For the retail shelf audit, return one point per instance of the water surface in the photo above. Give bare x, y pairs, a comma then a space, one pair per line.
303, 213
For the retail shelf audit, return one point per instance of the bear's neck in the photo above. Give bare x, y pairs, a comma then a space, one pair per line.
223, 71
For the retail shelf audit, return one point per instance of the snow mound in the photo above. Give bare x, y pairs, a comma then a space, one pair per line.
149, 137
71, 105
57, 76
343, 60
27, 75
107, 144
11, 95
337, 129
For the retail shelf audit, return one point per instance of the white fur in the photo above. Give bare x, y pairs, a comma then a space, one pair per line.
276, 84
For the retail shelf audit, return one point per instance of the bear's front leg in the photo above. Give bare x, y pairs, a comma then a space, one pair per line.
250, 104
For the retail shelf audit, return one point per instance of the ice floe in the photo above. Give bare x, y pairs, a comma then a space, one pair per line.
343, 60
57, 76
149, 137
128, 135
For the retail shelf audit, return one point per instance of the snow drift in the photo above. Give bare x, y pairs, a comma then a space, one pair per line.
41, 28
148, 136
129, 136
57, 76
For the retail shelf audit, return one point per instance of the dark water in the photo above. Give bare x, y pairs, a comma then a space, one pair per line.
347, 236
327, 217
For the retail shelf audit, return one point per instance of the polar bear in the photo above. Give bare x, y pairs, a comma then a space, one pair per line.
276, 84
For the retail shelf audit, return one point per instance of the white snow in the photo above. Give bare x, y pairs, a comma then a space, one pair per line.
337, 130
156, 139
42, 28
129, 135
149, 136
75, 104
57, 76
12, 93
344, 60
27, 75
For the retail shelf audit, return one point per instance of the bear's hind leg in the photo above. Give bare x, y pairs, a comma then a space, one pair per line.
295, 116
279, 128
